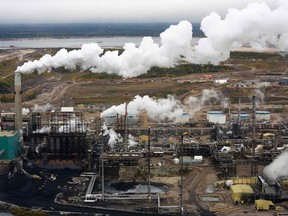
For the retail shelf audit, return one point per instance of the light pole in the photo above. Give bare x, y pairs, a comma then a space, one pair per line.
102, 166
149, 161
182, 173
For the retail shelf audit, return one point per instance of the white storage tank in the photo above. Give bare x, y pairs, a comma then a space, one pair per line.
132, 120
263, 115
216, 117
110, 119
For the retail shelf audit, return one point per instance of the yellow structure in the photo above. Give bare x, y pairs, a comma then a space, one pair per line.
264, 205
268, 135
143, 139
238, 190
248, 180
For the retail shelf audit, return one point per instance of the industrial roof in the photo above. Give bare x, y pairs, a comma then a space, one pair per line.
263, 202
215, 112
241, 189
263, 112
7, 133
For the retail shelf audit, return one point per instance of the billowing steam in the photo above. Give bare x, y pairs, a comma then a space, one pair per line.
169, 108
258, 26
115, 138
278, 168
74, 124
208, 97
175, 43
157, 109
42, 108
25, 111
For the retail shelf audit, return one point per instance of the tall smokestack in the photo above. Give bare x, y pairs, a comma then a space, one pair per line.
18, 103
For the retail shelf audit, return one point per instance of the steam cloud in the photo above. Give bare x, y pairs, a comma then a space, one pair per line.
278, 168
209, 96
257, 25
115, 138
42, 108
168, 108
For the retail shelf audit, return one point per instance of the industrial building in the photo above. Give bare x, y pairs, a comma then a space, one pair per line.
237, 192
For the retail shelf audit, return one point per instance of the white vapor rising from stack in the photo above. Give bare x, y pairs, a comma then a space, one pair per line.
115, 138
168, 108
278, 168
209, 96
132, 62
257, 25
42, 108
157, 109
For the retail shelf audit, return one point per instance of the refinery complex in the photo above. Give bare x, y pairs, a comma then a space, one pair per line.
212, 161
159, 128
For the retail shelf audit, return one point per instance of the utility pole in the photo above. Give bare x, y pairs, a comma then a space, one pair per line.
182, 173
254, 166
149, 162
102, 166
126, 122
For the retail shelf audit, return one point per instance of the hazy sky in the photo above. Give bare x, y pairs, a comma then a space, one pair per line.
51, 11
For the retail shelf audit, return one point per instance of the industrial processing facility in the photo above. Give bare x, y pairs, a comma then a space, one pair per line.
139, 150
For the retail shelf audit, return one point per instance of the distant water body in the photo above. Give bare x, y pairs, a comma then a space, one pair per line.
104, 42
74, 35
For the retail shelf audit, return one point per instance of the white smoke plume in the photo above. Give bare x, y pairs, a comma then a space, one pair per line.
45, 129
260, 95
175, 43
74, 124
157, 109
208, 97
257, 25
169, 108
25, 111
41, 108
114, 138
132, 141
278, 167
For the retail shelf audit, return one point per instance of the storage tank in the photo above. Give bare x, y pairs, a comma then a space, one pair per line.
110, 119
9, 145
132, 120
216, 117
263, 115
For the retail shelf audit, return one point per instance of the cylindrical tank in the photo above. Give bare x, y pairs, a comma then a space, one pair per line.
263, 115
110, 119
132, 120
216, 117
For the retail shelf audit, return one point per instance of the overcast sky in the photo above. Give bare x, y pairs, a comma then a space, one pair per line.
67, 11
